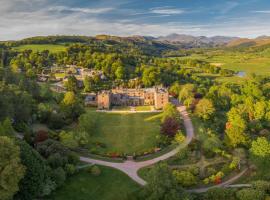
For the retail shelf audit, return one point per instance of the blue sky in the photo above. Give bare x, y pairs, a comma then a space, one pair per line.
25, 18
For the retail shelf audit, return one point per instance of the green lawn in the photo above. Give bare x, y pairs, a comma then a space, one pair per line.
54, 48
124, 133
143, 108
110, 185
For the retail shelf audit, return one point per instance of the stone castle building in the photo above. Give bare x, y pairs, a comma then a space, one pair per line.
157, 97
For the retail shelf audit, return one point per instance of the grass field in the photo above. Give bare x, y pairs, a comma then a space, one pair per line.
54, 48
125, 133
143, 108
110, 185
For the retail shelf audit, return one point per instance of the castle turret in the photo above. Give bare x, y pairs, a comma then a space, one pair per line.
104, 100
161, 98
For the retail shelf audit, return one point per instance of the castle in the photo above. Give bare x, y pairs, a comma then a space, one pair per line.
157, 97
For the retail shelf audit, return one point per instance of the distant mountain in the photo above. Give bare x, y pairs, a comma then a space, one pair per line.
245, 42
199, 41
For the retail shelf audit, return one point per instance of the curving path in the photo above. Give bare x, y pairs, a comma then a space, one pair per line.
224, 184
131, 167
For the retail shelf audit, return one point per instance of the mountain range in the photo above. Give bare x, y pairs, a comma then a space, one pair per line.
196, 41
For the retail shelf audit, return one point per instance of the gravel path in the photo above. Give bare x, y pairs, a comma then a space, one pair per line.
131, 167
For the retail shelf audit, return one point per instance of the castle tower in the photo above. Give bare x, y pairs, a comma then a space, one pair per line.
161, 98
104, 100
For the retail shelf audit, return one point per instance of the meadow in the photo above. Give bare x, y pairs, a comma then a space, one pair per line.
54, 48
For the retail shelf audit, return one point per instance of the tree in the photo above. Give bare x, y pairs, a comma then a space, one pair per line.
69, 99
71, 83
260, 110
184, 178
170, 111
59, 176
88, 84
162, 185
33, 183
250, 194
6, 128
150, 76
175, 89
12, 170
86, 123
68, 140
235, 128
219, 194
260, 147
205, 109
186, 92
209, 140
170, 127
120, 72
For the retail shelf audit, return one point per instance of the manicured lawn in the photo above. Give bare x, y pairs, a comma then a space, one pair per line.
143, 108
121, 108
41, 47
124, 133
110, 185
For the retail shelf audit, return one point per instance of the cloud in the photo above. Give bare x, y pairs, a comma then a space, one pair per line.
262, 11
26, 18
167, 10
82, 10
228, 6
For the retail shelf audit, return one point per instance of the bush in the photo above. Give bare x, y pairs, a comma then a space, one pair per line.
179, 137
250, 194
185, 178
70, 169
41, 136
59, 176
95, 170
56, 160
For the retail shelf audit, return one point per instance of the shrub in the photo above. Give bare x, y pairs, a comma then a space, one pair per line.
179, 137
70, 169
41, 136
95, 170
59, 176
250, 194
185, 178
56, 160
234, 164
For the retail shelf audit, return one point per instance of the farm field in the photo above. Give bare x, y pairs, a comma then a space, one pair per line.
124, 133
249, 63
54, 48
111, 184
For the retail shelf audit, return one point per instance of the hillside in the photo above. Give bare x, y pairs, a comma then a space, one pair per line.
245, 42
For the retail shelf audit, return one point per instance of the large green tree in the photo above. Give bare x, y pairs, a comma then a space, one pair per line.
33, 183
162, 185
11, 168
205, 109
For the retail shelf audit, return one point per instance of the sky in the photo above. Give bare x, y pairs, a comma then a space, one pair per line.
26, 18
